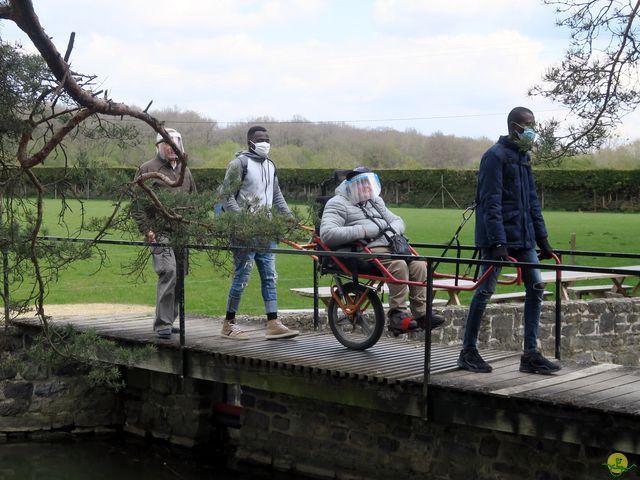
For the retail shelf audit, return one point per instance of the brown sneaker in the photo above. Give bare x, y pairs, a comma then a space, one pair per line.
233, 331
275, 330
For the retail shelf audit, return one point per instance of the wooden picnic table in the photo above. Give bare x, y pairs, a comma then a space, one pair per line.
324, 294
445, 284
570, 277
450, 286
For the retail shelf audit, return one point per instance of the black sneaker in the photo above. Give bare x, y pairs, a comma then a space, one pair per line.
164, 333
471, 360
436, 321
400, 322
534, 362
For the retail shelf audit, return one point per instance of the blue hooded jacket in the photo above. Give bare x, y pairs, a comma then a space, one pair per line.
508, 211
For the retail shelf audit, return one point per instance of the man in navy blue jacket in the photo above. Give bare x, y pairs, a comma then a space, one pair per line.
509, 223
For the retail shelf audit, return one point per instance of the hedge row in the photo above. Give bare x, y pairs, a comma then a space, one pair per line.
558, 189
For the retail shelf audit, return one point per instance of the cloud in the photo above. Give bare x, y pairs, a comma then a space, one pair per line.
239, 75
323, 60
412, 11
222, 15
416, 17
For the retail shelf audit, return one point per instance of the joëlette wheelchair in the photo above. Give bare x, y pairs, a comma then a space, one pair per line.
355, 311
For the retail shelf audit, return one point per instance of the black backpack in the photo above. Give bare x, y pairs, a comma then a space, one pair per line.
338, 177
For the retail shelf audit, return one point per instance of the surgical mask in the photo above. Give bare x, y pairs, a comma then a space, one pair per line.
528, 134
262, 148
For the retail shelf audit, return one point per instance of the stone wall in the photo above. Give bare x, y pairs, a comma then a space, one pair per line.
170, 408
327, 440
601, 330
330, 441
47, 403
37, 402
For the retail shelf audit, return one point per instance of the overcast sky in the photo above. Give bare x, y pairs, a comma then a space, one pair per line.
455, 66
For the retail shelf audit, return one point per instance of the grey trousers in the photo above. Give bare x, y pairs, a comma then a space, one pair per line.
402, 270
167, 306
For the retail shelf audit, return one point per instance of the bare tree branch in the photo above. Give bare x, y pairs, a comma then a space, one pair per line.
598, 79
5, 11
23, 14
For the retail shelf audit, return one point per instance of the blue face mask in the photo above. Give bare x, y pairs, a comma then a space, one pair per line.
528, 133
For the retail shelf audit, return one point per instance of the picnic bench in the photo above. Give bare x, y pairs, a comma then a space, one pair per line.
514, 296
324, 294
597, 290
569, 278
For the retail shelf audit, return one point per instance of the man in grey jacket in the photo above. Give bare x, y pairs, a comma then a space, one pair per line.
357, 214
258, 188
163, 258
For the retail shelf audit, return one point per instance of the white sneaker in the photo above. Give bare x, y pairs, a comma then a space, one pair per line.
233, 331
276, 330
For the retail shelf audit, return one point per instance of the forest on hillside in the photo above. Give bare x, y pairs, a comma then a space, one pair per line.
299, 143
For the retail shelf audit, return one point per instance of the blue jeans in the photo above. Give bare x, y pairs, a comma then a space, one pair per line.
243, 264
532, 300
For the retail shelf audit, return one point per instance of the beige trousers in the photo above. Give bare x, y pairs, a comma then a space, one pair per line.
402, 270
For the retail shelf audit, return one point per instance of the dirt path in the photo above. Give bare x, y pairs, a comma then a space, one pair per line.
94, 308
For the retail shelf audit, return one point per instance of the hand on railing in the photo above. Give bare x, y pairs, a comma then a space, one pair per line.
546, 252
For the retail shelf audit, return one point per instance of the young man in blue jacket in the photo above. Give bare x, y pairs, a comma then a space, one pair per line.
509, 223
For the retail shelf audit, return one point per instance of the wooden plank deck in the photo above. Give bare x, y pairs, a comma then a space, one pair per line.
579, 404
390, 361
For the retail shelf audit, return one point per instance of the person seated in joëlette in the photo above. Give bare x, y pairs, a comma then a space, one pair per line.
358, 214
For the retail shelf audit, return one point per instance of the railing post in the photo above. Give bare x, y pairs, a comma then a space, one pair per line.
426, 376
181, 266
316, 319
558, 326
5, 289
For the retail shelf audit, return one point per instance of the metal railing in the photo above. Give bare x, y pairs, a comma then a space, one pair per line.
431, 262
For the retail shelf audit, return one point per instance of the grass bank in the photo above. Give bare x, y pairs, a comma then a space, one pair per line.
207, 288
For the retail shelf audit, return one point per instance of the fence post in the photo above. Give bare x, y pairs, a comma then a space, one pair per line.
572, 247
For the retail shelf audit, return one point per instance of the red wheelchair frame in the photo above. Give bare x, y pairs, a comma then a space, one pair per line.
349, 303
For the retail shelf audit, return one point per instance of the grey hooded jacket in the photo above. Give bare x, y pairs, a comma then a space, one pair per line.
259, 187
344, 222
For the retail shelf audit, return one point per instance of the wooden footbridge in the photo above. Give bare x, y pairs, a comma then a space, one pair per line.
596, 405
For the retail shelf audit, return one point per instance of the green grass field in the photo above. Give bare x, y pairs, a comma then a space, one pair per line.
206, 288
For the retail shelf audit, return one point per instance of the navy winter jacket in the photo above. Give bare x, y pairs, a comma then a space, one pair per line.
508, 211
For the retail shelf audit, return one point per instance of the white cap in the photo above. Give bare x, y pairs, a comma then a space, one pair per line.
175, 136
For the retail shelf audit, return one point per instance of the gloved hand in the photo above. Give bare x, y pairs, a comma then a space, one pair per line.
499, 252
371, 230
291, 221
546, 251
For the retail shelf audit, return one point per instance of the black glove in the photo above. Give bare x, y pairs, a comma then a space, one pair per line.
546, 251
499, 252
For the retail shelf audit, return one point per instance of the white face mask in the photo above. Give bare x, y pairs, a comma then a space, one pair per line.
262, 148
